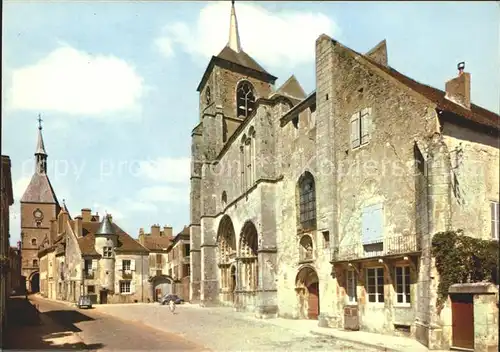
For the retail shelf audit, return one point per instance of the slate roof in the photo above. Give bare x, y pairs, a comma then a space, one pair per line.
292, 88
39, 190
241, 58
125, 242
157, 243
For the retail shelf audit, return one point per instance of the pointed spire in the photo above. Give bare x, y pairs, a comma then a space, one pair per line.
234, 36
40, 147
106, 227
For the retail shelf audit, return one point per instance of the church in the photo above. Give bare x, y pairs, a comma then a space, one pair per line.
323, 205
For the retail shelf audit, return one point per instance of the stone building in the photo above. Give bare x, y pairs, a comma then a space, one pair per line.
89, 256
178, 263
6, 201
158, 242
39, 205
168, 261
323, 206
14, 282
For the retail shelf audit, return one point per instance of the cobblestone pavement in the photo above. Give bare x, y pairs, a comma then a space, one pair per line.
102, 332
223, 329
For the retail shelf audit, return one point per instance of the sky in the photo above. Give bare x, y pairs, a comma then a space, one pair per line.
115, 83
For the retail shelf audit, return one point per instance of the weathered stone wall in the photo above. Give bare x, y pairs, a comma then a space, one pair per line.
140, 289
474, 158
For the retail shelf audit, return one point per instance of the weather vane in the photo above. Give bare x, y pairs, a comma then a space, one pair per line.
40, 121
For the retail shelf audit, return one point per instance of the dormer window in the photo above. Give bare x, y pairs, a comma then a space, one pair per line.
245, 99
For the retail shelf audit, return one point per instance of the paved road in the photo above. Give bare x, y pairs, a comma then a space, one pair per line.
223, 329
104, 332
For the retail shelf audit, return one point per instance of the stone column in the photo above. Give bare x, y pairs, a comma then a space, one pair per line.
209, 284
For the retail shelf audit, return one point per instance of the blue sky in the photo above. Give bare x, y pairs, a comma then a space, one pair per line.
116, 82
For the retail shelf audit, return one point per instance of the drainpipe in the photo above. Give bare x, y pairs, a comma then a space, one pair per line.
142, 278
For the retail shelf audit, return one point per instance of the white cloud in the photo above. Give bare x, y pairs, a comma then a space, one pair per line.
106, 209
275, 39
176, 170
138, 206
75, 82
164, 194
19, 186
165, 46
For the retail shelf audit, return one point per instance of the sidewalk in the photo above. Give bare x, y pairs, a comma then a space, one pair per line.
31, 329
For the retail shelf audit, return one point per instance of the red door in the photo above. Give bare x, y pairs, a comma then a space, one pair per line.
313, 302
462, 311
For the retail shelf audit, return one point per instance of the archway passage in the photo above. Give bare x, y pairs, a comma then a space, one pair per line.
162, 285
248, 256
35, 282
307, 286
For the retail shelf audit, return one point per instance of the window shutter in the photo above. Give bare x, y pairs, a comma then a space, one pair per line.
355, 130
121, 264
366, 125
132, 264
372, 224
94, 264
495, 214
132, 287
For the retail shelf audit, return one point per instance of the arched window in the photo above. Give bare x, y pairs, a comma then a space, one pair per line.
245, 99
306, 248
224, 199
307, 201
33, 241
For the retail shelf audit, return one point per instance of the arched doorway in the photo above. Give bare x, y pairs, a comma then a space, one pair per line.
226, 257
307, 287
35, 282
161, 285
249, 265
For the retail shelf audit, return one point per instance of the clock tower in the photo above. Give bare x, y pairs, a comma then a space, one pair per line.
39, 206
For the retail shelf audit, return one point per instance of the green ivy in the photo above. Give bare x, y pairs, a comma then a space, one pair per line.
462, 259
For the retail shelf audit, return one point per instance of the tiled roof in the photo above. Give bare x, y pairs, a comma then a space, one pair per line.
125, 242
156, 243
292, 88
476, 113
40, 190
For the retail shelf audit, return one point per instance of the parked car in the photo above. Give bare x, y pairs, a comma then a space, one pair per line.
84, 301
169, 297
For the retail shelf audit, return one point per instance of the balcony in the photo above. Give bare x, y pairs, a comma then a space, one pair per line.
389, 246
126, 274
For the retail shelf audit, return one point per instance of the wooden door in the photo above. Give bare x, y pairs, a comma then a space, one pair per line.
462, 310
313, 301
158, 294
103, 297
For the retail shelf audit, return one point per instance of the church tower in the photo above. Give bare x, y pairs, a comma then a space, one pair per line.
39, 206
228, 90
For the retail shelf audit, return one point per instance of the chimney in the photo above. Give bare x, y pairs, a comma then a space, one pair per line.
155, 230
167, 231
458, 88
78, 226
86, 214
96, 217
110, 218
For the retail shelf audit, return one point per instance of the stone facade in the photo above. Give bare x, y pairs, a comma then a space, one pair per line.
93, 257
324, 206
178, 263
5, 253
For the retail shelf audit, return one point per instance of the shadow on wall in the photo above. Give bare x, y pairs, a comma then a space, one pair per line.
30, 329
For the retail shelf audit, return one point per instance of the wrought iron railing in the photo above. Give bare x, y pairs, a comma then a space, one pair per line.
387, 246
89, 275
126, 274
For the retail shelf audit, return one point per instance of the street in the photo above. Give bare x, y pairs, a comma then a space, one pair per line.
66, 327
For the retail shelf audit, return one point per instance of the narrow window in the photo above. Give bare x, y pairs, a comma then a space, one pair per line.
90, 289
403, 285
33, 241
35, 262
351, 286
495, 215
375, 285
326, 239
355, 132
307, 201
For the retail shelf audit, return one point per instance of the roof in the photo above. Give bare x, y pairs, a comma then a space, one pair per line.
39, 190
292, 88
155, 243
476, 113
241, 58
40, 146
106, 228
125, 242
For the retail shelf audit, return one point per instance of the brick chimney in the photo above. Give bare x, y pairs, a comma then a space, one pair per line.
155, 230
86, 214
167, 231
78, 226
458, 88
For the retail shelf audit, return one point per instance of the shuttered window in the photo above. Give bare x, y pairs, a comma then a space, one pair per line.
372, 224
361, 127
495, 215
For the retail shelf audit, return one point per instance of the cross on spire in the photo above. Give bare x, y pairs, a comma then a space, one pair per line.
40, 121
